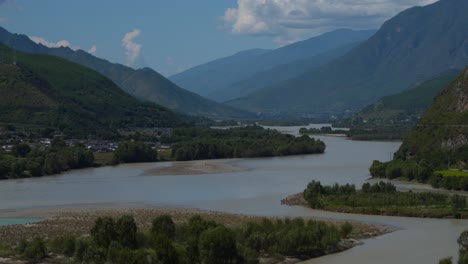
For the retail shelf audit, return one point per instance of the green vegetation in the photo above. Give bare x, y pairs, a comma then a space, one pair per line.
144, 84
405, 107
452, 173
378, 132
322, 130
195, 241
34, 163
437, 142
245, 142
48, 92
131, 152
383, 199
421, 172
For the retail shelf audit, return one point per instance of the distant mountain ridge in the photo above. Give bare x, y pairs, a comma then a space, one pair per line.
216, 78
47, 91
145, 84
278, 74
415, 45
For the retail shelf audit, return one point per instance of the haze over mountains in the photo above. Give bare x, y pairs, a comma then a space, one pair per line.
145, 84
416, 45
244, 72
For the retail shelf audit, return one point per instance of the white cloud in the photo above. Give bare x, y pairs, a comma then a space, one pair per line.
132, 49
58, 44
290, 20
93, 50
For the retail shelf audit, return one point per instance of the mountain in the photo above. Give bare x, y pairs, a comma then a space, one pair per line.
278, 74
416, 45
408, 105
442, 131
47, 91
144, 84
213, 78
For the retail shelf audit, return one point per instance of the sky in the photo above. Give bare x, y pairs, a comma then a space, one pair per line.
173, 35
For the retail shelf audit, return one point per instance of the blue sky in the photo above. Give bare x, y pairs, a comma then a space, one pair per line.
172, 35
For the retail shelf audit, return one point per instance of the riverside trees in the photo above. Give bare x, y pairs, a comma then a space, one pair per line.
245, 142
195, 241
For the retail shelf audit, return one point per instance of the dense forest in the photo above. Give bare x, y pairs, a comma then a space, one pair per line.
26, 162
196, 241
245, 142
383, 199
134, 151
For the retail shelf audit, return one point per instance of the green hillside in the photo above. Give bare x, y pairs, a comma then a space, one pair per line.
47, 91
416, 45
144, 84
441, 135
407, 106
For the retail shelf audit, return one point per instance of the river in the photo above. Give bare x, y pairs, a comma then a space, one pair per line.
257, 191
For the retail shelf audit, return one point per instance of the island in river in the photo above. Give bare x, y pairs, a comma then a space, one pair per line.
380, 198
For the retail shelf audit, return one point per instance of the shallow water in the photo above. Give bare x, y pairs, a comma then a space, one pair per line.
17, 221
257, 191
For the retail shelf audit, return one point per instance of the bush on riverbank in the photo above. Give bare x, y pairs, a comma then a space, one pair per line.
245, 142
383, 198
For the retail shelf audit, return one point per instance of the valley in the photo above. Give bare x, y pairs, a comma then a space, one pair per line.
279, 132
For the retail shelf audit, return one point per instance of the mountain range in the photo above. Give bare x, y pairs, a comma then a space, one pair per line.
45, 91
415, 45
145, 84
244, 72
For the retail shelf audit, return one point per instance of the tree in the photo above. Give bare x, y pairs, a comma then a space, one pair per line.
163, 225
346, 229
165, 251
463, 240
129, 152
446, 261
217, 246
103, 231
36, 250
126, 230
21, 150
458, 202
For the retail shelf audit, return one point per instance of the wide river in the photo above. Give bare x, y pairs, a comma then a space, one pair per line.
257, 191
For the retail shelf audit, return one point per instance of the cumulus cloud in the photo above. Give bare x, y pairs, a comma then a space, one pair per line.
288, 20
58, 44
132, 49
93, 50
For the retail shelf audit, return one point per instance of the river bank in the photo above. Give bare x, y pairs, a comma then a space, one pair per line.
77, 221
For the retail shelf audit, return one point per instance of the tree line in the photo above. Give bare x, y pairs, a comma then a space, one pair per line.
421, 171
195, 241
383, 198
246, 142
26, 162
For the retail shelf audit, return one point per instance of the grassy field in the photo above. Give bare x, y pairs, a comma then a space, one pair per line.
452, 173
